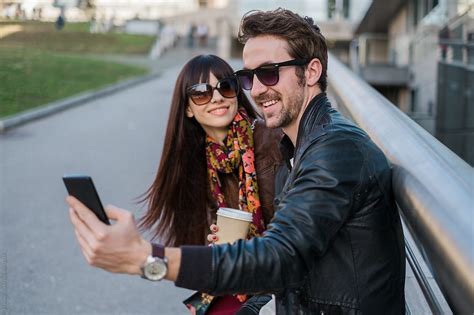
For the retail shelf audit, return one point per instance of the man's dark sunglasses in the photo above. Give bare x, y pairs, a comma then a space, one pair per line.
201, 93
268, 74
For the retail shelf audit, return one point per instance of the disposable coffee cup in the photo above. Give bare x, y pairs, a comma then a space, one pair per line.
233, 225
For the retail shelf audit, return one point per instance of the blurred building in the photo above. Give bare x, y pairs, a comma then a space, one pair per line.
44, 10
122, 10
337, 19
119, 10
407, 48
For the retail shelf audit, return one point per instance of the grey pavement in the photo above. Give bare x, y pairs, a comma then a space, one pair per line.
169, 58
116, 139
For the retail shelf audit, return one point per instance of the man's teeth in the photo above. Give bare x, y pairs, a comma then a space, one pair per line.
269, 103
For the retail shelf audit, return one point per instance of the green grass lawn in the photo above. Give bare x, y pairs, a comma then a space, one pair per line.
75, 38
37, 25
40, 64
29, 78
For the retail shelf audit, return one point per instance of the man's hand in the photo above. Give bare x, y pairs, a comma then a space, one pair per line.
116, 248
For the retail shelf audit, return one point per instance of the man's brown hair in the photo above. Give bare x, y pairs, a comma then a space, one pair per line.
304, 38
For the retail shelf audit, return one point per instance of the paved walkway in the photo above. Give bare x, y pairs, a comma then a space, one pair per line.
177, 55
118, 141
9, 29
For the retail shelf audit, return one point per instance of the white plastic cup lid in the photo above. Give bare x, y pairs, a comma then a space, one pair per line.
235, 214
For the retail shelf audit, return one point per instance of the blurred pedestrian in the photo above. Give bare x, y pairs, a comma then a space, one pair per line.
191, 35
202, 33
60, 22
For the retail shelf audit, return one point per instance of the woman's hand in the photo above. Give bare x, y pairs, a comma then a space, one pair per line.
213, 238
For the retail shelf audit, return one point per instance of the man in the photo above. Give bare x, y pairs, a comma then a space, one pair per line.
335, 244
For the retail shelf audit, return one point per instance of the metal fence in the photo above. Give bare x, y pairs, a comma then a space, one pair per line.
434, 189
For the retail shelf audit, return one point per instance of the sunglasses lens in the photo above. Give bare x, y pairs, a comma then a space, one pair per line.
228, 88
246, 79
200, 93
268, 77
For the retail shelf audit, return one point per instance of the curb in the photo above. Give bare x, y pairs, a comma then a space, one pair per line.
60, 105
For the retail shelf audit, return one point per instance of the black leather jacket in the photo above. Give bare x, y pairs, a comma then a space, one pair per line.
335, 244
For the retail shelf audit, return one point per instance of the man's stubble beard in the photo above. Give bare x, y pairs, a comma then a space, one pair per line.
290, 112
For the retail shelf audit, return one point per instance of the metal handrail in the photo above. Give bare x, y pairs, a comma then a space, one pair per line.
430, 296
434, 188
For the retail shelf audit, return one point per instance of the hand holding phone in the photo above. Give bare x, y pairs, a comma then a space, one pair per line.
82, 188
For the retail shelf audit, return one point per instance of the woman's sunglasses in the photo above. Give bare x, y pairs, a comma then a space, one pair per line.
268, 74
201, 93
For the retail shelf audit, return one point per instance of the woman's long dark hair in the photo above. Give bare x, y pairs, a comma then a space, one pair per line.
178, 200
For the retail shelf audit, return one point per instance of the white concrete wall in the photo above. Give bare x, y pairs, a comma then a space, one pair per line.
425, 67
423, 40
377, 51
317, 9
399, 39
122, 10
145, 27
404, 100
48, 11
358, 8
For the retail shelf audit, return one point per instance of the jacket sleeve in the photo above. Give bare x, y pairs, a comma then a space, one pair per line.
309, 212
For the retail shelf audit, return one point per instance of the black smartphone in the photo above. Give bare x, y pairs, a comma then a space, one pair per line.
82, 187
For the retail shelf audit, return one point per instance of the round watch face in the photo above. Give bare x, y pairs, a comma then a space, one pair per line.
155, 270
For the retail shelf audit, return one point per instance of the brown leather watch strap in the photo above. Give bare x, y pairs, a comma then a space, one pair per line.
158, 250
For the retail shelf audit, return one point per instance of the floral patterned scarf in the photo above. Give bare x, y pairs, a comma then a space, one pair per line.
237, 153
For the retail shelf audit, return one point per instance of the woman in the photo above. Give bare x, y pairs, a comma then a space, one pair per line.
214, 147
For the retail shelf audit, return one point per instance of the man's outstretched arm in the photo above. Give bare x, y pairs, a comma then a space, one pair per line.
117, 248
306, 220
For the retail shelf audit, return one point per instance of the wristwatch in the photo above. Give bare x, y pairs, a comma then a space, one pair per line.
156, 265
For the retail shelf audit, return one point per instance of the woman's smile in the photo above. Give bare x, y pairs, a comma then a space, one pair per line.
219, 111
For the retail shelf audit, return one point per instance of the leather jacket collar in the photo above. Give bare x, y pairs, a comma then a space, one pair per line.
316, 108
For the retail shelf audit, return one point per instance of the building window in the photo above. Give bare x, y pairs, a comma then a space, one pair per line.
415, 12
421, 8
427, 6
331, 8
338, 9
345, 8
470, 49
411, 56
413, 100
457, 50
